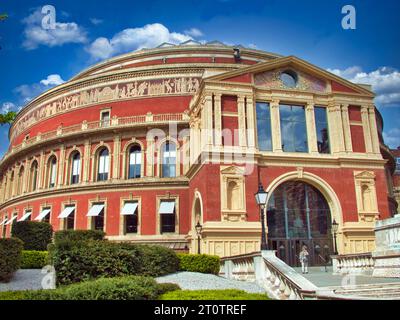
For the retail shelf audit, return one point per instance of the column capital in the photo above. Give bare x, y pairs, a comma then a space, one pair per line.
274, 103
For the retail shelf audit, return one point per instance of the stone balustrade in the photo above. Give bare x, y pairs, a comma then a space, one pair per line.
362, 263
278, 279
85, 127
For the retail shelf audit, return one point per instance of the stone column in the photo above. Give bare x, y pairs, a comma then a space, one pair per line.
150, 157
374, 131
276, 126
61, 175
346, 128
116, 158
86, 161
241, 121
311, 129
218, 120
251, 133
25, 184
185, 154
366, 129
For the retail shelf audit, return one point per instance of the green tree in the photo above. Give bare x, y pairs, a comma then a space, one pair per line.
7, 118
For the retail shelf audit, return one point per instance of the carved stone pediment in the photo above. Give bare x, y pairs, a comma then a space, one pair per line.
233, 171
364, 175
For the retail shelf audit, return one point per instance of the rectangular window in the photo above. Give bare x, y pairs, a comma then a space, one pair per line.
293, 128
96, 213
44, 216
135, 159
264, 126
105, 118
398, 165
130, 214
76, 168
321, 124
53, 174
69, 215
167, 216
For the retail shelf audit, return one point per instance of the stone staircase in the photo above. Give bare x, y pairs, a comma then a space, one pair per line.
378, 291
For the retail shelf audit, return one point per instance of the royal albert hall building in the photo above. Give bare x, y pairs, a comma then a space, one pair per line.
147, 144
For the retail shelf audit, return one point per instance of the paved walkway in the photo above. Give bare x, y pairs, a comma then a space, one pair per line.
201, 281
320, 278
28, 279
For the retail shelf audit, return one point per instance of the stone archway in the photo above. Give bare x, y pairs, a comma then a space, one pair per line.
197, 216
301, 208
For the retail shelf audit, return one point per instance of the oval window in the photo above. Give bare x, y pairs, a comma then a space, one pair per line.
289, 79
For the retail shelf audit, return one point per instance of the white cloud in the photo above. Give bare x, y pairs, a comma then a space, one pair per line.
9, 106
35, 35
27, 92
385, 83
96, 21
193, 32
52, 80
148, 36
392, 138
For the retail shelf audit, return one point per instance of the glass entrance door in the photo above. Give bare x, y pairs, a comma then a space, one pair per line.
298, 214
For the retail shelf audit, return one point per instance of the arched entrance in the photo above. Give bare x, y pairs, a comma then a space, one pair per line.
197, 216
298, 214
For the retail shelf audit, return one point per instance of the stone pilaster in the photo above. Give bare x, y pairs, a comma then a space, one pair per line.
41, 172
209, 119
251, 131
276, 126
25, 184
86, 161
311, 129
116, 158
218, 120
150, 157
374, 131
366, 129
242, 121
346, 128
61, 174
335, 121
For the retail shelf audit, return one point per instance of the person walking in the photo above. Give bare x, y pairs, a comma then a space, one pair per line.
304, 259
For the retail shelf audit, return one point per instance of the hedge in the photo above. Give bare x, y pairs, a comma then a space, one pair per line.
34, 259
212, 295
199, 263
78, 235
10, 257
35, 235
157, 260
120, 288
76, 261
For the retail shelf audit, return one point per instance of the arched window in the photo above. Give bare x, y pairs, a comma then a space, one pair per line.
75, 168
34, 176
20, 180
135, 162
103, 165
297, 210
52, 172
168, 160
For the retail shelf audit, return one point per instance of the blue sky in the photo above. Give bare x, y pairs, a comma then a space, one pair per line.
33, 60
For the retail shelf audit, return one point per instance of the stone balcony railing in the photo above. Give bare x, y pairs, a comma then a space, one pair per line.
361, 264
278, 279
87, 127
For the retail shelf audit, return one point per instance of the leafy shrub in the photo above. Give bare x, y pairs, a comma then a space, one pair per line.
34, 259
212, 295
35, 235
167, 287
76, 261
124, 288
157, 260
202, 263
10, 257
13, 295
78, 235
120, 288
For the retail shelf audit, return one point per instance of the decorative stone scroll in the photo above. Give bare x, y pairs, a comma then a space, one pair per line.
157, 87
305, 82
